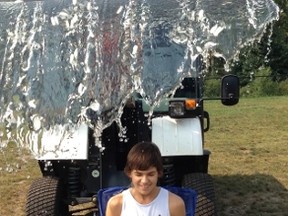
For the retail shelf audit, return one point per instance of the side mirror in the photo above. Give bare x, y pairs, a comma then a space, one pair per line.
230, 88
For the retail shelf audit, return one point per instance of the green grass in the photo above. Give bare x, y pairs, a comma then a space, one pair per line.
249, 156
17, 171
249, 163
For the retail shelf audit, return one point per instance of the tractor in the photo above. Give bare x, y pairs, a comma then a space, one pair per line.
54, 35
72, 179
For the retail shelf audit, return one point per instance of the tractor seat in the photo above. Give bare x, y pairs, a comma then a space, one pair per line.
188, 195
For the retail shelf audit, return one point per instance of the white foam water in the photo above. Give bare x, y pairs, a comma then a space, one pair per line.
69, 62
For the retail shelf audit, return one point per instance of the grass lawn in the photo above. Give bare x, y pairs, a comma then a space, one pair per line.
17, 171
249, 160
249, 145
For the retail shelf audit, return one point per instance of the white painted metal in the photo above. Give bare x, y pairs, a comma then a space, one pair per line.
177, 137
72, 146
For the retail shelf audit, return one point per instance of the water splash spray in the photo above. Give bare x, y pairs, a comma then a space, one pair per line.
65, 63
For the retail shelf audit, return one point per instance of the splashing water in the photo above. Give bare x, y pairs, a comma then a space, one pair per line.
64, 63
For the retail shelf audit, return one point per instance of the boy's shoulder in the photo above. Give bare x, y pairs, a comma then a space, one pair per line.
116, 199
115, 203
176, 204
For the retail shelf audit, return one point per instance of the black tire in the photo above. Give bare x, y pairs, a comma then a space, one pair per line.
45, 198
202, 183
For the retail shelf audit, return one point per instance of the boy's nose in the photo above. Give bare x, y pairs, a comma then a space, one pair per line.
144, 179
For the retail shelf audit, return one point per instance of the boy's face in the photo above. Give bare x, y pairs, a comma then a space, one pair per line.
144, 181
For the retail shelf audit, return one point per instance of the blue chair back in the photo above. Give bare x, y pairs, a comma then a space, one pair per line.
188, 195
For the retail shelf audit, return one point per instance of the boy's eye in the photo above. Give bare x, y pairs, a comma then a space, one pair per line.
150, 174
138, 174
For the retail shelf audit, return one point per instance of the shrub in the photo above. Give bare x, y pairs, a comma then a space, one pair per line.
263, 85
212, 88
283, 88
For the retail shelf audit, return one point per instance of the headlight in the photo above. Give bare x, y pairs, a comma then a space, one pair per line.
180, 108
176, 108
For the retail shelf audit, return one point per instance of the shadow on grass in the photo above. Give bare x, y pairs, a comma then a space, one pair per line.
249, 195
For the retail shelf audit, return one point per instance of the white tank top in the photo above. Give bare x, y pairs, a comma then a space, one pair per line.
158, 207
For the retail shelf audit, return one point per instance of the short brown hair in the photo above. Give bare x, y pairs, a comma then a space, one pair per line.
142, 156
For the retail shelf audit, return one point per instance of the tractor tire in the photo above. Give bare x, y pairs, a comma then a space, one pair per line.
202, 183
45, 198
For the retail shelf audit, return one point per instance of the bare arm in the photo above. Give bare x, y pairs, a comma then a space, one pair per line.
176, 205
114, 206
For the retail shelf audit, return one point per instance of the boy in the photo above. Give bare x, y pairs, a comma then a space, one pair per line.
144, 198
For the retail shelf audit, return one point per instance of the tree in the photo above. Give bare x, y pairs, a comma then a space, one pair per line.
279, 45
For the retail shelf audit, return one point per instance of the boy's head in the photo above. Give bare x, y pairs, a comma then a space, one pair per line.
142, 156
